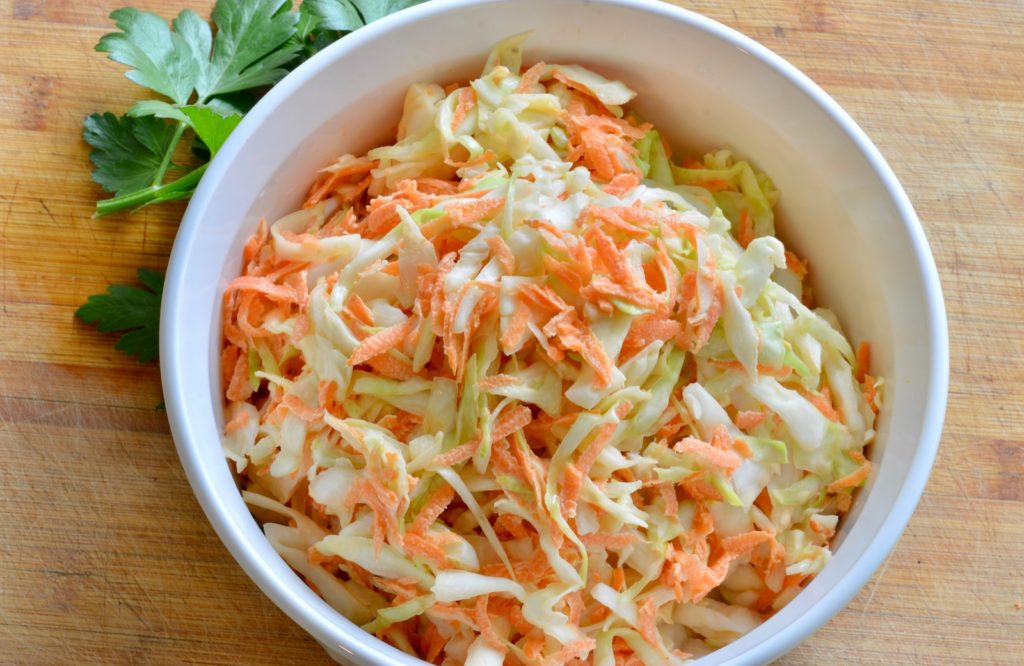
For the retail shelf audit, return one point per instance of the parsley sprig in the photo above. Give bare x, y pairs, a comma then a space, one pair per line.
133, 312
206, 77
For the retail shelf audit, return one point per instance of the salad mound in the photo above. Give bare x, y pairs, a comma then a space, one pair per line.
519, 388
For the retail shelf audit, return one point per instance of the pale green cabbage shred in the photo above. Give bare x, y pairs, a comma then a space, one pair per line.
622, 564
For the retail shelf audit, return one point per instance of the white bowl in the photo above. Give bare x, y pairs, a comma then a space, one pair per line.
705, 86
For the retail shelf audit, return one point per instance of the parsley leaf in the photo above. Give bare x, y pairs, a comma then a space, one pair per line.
157, 108
163, 61
251, 48
371, 10
248, 52
132, 310
211, 127
347, 15
339, 15
127, 152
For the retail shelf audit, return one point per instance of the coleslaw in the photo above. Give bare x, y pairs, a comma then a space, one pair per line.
520, 388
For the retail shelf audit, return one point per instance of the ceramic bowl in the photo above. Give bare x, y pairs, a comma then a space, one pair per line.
705, 86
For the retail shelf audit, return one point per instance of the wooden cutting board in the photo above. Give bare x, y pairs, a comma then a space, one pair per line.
105, 557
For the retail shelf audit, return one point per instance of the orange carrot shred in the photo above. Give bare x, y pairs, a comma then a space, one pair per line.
381, 342
501, 250
469, 212
855, 478
726, 460
863, 360
746, 420
238, 422
745, 230
531, 77
607, 540
823, 403
647, 617
794, 264
466, 102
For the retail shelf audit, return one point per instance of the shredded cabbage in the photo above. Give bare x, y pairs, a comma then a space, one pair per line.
524, 386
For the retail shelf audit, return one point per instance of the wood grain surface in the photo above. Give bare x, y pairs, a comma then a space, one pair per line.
105, 556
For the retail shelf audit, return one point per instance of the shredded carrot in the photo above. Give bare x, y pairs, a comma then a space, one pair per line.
532, 648
647, 616
715, 185
380, 342
564, 271
745, 229
725, 460
487, 157
622, 184
418, 545
668, 495
605, 540
572, 482
264, 286
433, 508
517, 327
300, 329
238, 422
764, 502
863, 361
871, 393
255, 242
746, 420
334, 178
459, 454
531, 77
781, 372
611, 219
699, 488
239, 388
382, 218
497, 381
470, 212
301, 409
590, 454
854, 479
391, 367
794, 264
465, 104
823, 403
511, 524
511, 421
578, 648
483, 622
501, 250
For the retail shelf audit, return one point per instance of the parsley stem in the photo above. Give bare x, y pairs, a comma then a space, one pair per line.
178, 189
158, 179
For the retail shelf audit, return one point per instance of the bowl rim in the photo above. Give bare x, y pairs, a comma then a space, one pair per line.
174, 357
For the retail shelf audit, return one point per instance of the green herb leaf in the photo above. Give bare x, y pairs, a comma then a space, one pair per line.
161, 60
132, 310
127, 152
347, 15
308, 22
157, 108
371, 10
211, 127
252, 45
250, 49
339, 15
